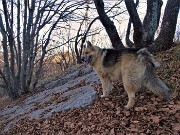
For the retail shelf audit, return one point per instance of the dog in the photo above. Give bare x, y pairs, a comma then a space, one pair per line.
135, 67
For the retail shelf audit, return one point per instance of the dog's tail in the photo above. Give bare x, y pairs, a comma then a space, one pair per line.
147, 57
156, 85
151, 80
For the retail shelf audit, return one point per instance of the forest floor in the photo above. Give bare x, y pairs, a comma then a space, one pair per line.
45, 111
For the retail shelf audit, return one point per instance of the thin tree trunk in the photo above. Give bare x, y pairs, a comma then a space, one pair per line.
18, 44
30, 35
76, 44
25, 51
137, 25
128, 41
85, 35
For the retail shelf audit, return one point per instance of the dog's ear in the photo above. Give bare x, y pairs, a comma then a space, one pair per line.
89, 45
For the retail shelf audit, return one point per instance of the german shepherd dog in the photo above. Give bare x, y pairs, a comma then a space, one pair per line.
136, 68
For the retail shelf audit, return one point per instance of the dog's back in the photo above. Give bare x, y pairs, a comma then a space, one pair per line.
113, 56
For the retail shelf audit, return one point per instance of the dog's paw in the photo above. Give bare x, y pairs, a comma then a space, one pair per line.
127, 107
103, 96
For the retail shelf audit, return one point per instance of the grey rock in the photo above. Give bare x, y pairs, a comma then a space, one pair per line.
63, 87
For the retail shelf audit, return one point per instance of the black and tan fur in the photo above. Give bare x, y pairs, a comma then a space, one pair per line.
134, 66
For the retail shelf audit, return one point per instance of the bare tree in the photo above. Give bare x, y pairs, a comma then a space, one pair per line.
144, 32
26, 33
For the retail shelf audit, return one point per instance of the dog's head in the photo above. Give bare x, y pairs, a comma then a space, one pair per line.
90, 53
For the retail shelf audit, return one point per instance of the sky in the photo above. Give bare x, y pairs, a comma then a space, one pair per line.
123, 25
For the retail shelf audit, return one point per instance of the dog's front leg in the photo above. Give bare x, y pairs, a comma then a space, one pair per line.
106, 85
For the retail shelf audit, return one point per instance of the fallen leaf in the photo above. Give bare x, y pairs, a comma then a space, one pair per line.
127, 113
112, 132
155, 119
176, 126
139, 109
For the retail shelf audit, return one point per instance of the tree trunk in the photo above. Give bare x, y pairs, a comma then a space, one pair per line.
30, 35
109, 25
9, 62
168, 27
151, 21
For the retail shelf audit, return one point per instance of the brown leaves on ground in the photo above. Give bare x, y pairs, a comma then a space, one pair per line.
107, 116
170, 67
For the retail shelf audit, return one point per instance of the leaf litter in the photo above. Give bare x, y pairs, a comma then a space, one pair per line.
107, 116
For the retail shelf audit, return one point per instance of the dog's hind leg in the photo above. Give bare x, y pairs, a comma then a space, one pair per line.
131, 88
106, 85
131, 96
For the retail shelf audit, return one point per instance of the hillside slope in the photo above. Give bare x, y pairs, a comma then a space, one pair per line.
107, 116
